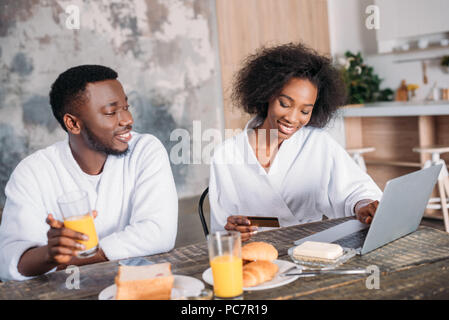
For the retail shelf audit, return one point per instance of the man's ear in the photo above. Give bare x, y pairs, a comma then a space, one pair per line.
72, 123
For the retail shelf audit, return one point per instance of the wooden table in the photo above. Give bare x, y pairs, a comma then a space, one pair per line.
413, 267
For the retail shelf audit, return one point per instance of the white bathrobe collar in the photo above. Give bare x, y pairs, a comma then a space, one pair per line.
283, 160
272, 180
111, 185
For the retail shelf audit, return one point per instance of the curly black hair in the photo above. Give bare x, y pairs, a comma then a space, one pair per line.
266, 72
67, 93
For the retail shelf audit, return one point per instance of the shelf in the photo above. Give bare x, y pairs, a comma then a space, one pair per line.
393, 163
432, 48
419, 59
397, 109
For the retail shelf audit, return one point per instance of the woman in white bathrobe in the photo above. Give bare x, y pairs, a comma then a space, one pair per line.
283, 164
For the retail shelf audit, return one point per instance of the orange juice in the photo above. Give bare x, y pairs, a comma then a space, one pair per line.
228, 276
84, 224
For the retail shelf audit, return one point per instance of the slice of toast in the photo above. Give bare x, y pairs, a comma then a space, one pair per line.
151, 282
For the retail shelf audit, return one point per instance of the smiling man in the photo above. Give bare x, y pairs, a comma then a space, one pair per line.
127, 176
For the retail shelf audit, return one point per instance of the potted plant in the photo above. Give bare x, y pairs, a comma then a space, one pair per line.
445, 63
362, 84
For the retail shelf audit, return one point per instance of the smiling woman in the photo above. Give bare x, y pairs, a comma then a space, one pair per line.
287, 166
292, 108
266, 73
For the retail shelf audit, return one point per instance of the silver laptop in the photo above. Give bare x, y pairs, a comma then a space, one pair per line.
399, 213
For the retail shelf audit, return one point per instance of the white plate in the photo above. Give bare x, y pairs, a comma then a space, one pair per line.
183, 286
277, 281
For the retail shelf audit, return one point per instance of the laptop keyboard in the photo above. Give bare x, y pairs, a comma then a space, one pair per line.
354, 240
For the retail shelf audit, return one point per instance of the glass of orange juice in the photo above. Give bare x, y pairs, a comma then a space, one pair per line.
225, 257
75, 208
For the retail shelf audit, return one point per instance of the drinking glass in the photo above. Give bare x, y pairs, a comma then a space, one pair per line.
78, 216
225, 257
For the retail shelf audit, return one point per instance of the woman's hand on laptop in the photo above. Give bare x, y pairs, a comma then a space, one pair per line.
365, 210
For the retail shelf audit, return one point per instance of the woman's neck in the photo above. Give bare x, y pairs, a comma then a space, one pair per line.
264, 146
270, 134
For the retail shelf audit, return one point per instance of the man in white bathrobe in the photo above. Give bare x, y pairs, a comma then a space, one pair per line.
126, 175
283, 164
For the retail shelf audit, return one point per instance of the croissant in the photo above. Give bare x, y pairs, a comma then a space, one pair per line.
259, 251
257, 272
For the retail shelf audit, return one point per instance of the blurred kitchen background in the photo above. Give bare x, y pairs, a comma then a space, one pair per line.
176, 59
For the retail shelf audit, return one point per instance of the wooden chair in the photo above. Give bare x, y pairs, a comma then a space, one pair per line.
357, 155
443, 180
201, 212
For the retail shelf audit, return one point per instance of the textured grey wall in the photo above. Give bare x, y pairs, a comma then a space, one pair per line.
165, 53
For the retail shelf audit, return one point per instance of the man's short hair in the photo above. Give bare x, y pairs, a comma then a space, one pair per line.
67, 93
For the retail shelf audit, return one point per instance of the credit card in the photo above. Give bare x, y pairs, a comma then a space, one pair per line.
264, 221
